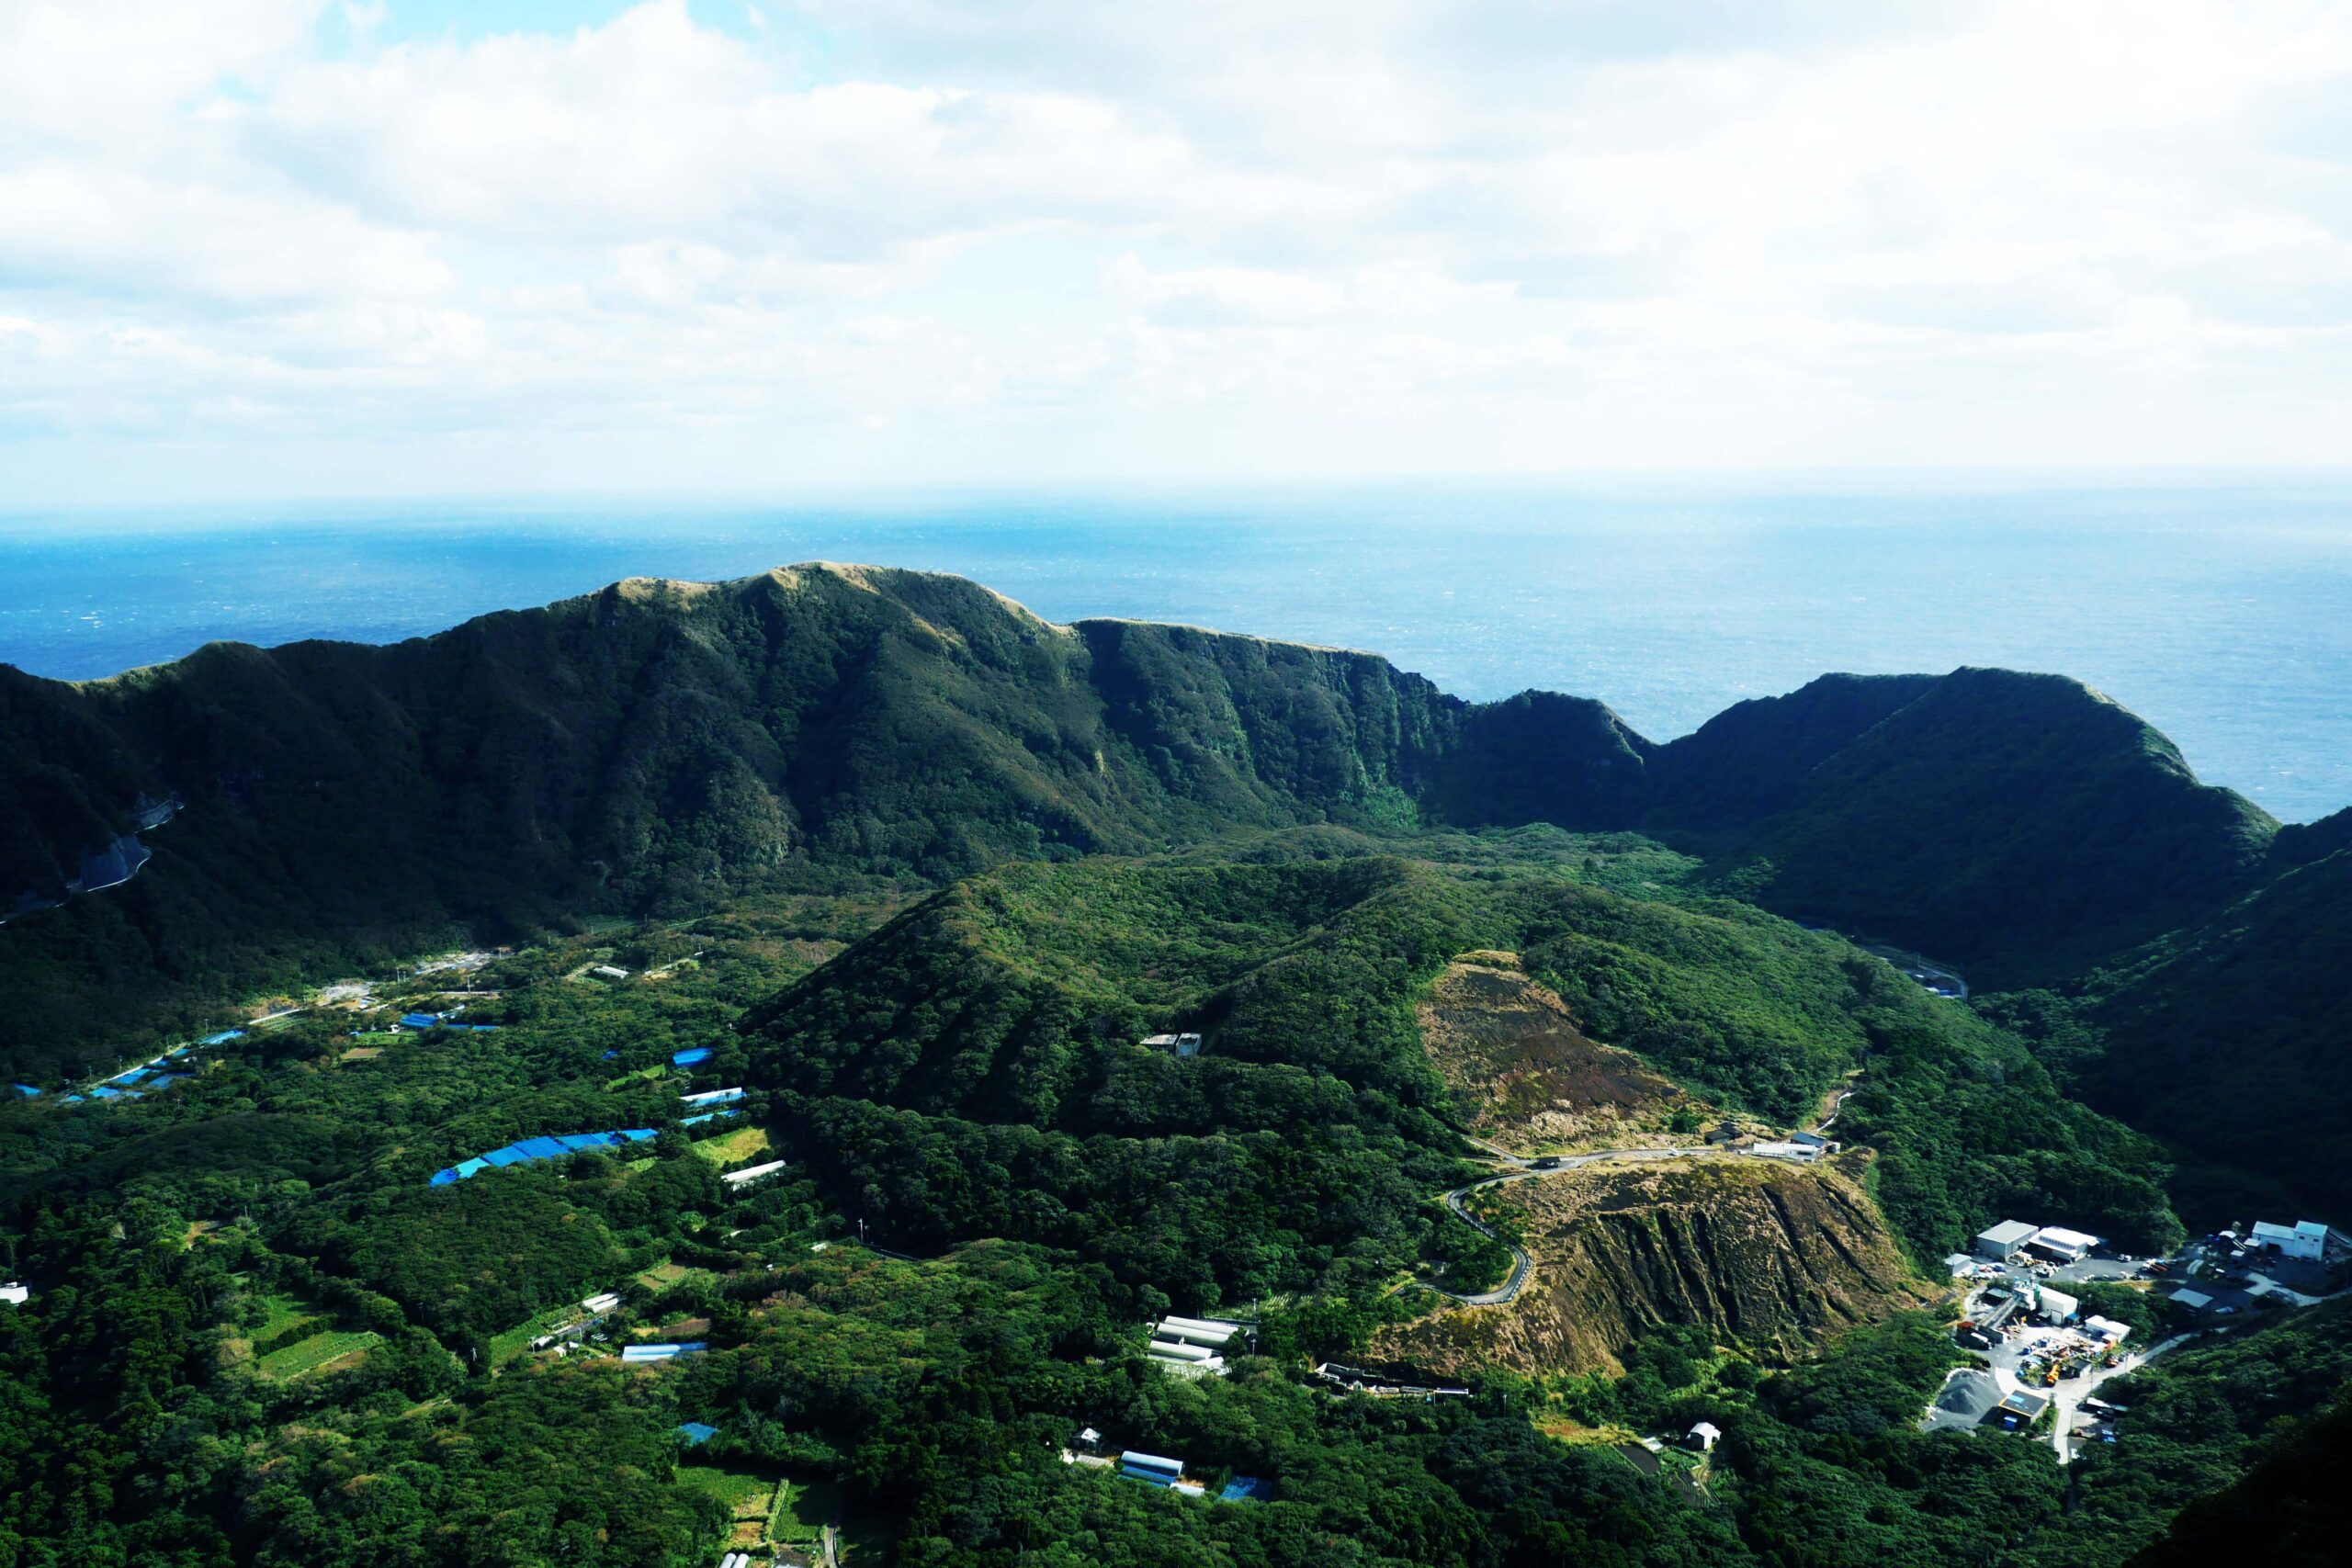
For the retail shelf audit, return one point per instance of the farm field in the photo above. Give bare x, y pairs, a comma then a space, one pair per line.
735, 1148
318, 1353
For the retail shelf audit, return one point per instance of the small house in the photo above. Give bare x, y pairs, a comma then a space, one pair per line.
16, 1293
1177, 1045
610, 972
1703, 1436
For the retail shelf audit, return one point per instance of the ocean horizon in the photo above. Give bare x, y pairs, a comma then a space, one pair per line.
2222, 614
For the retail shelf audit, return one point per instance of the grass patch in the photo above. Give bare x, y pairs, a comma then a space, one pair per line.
733, 1148
807, 1508
317, 1353
664, 1275
744, 1494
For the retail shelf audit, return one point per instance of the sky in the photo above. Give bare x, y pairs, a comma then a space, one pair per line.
258, 248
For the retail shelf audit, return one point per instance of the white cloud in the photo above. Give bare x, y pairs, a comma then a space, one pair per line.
907, 239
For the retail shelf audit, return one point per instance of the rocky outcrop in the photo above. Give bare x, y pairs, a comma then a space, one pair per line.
1769, 1257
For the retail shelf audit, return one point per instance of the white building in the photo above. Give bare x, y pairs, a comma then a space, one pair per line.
1703, 1436
2107, 1328
2057, 1305
2058, 1243
1181, 1044
2002, 1239
2305, 1238
1799, 1151
752, 1173
15, 1295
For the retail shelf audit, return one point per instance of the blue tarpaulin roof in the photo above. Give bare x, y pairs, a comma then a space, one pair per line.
1245, 1489
420, 1020
222, 1038
28, 1091
481, 1028
107, 1091
705, 1116
696, 1432
661, 1352
687, 1058
550, 1146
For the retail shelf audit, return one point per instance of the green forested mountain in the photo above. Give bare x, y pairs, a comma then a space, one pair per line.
912, 872
2226, 1037
658, 746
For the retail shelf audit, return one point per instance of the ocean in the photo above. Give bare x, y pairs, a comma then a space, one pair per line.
2223, 616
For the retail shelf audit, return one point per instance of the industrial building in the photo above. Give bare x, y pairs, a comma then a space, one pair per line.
2307, 1239
2062, 1245
1998, 1242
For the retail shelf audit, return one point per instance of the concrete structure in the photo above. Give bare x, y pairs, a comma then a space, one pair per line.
752, 1173
2195, 1301
1181, 1044
2024, 1405
2307, 1239
1802, 1153
2107, 1330
2061, 1245
2002, 1239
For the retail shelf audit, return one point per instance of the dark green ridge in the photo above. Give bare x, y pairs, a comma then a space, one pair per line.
656, 745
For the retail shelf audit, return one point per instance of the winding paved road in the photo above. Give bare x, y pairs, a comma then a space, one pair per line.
1525, 1170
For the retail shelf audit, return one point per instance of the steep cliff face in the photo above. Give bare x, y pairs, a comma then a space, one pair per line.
2022, 825
659, 745
1520, 1070
1768, 1256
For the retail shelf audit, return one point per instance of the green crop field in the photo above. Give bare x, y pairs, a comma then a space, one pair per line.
728, 1148
308, 1355
733, 1487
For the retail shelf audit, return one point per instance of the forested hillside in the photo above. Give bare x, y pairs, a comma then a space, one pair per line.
2227, 1038
660, 746
256, 1333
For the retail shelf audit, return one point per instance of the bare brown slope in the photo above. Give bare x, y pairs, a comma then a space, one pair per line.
1772, 1257
1521, 1071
